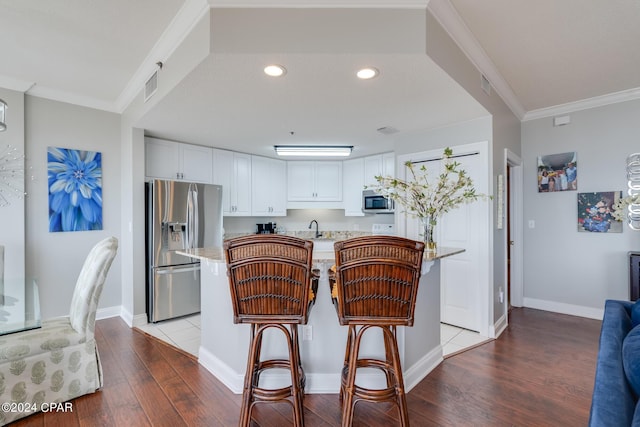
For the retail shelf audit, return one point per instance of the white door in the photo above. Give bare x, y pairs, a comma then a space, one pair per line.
464, 278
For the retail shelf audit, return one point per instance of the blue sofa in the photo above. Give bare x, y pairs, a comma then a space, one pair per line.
617, 380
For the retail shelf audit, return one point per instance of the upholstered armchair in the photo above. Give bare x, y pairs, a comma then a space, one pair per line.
59, 361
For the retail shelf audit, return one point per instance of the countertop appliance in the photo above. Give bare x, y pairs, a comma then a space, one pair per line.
267, 228
179, 215
373, 202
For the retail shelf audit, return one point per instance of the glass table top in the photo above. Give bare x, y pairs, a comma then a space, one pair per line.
19, 305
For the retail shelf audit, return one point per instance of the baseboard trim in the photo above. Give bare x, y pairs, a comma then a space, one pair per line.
105, 313
562, 308
140, 320
498, 327
419, 370
227, 376
317, 383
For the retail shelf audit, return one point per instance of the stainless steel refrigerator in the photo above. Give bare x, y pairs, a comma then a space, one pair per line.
180, 215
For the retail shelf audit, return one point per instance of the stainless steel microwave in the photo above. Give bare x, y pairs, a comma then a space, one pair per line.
373, 202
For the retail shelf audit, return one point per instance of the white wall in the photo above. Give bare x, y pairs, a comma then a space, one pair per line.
443, 50
566, 270
55, 259
12, 216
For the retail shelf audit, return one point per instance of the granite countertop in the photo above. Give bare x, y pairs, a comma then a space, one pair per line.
217, 254
204, 254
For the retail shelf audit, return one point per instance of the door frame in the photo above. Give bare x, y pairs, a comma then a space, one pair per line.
485, 302
516, 215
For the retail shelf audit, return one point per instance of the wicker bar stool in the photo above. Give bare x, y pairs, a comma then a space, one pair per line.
272, 286
374, 285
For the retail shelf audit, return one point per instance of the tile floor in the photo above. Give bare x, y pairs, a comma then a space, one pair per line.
454, 339
184, 333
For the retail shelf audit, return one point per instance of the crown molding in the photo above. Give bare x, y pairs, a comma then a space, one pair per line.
175, 33
10, 83
70, 98
448, 17
584, 104
33, 89
298, 4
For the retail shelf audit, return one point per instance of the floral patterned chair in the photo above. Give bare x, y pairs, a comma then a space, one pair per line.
59, 361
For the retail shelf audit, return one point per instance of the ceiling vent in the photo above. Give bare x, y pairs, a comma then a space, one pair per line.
485, 85
387, 130
151, 86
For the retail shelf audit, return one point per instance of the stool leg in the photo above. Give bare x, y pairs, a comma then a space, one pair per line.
250, 377
348, 401
345, 365
388, 356
302, 377
390, 337
294, 361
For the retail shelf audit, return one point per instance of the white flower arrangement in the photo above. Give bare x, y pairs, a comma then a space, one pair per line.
429, 201
621, 207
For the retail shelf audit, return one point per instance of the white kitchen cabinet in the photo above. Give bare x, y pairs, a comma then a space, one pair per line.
175, 160
314, 181
233, 171
352, 186
268, 183
380, 164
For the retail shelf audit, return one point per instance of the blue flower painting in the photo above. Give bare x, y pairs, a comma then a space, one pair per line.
75, 189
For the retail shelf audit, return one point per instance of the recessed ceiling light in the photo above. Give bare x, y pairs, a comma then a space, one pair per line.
367, 73
275, 70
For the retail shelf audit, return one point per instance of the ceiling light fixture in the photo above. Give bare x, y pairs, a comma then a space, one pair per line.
314, 150
275, 70
367, 73
3, 109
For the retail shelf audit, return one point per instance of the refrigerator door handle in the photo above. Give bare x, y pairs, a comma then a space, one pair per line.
192, 216
195, 218
172, 270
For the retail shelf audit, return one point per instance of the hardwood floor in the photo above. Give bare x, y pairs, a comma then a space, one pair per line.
539, 372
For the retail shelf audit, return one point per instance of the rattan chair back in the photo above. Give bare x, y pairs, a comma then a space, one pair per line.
377, 279
269, 278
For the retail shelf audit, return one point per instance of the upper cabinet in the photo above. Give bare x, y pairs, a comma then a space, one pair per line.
314, 181
268, 184
233, 171
266, 187
380, 164
174, 160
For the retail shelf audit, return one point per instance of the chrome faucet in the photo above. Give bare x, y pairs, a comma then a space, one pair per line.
318, 234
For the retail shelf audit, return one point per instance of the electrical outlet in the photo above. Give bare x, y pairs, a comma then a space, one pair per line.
307, 333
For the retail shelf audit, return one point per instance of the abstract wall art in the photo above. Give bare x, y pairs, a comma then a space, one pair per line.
75, 189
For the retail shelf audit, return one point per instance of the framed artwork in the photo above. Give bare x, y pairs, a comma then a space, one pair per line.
557, 172
75, 189
595, 212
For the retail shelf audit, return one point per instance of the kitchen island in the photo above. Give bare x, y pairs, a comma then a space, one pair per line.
224, 345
